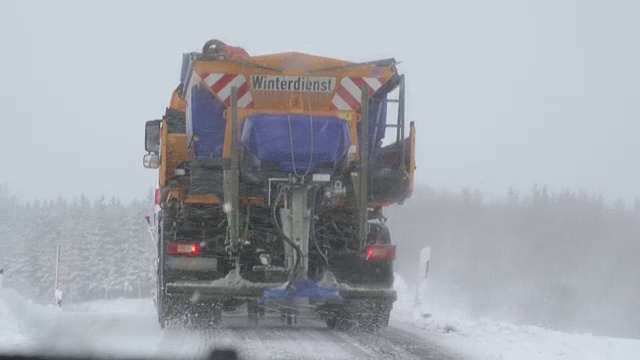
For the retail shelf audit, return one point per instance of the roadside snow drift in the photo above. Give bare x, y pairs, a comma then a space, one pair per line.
122, 327
480, 340
20, 320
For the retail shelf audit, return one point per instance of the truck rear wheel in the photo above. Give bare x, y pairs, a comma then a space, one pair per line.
374, 315
331, 322
181, 312
366, 315
168, 314
254, 311
203, 315
164, 304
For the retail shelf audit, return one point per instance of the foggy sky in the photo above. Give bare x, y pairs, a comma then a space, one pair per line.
504, 93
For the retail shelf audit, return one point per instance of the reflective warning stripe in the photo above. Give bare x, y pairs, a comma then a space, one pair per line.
221, 84
339, 103
349, 92
373, 83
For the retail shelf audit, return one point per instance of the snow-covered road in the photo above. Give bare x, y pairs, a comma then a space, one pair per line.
128, 328
309, 339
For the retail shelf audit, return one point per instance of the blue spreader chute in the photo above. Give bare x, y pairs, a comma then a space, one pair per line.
301, 289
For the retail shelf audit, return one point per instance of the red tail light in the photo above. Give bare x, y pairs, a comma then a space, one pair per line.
180, 248
381, 252
157, 196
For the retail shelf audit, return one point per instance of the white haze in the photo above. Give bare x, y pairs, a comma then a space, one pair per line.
566, 261
504, 93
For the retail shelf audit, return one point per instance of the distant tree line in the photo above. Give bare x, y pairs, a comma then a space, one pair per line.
566, 260
106, 251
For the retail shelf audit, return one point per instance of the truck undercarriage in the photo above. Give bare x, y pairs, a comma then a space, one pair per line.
213, 280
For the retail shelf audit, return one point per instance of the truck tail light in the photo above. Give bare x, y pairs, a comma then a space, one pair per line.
157, 196
180, 248
381, 252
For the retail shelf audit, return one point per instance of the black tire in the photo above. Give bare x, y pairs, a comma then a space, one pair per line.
364, 315
340, 317
165, 309
198, 316
331, 321
203, 316
373, 315
253, 312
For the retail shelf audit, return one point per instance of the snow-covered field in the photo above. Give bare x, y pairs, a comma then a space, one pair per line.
128, 327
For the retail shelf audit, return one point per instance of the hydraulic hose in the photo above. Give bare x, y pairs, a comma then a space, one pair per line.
313, 227
285, 238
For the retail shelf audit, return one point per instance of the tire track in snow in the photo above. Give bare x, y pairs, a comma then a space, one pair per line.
135, 332
309, 339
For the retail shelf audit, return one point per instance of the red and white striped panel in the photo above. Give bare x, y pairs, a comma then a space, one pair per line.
349, 91
221, 84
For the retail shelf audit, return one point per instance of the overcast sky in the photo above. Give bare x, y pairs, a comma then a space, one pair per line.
504, 93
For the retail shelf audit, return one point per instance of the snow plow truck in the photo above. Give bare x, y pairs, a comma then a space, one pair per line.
273, 176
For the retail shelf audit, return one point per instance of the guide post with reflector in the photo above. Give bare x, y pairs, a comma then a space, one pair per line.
152, 231
423, 273
57, 292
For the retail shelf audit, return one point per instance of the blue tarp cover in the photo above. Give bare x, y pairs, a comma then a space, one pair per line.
270, 137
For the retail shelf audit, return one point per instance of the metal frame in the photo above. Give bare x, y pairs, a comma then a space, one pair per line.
256, 290
383, 62
363, 176
231, 178
231, 175
401, 122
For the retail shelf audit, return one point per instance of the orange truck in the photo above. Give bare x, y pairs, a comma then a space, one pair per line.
274, 171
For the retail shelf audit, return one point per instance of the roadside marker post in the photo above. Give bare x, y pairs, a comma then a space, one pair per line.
57, 292
423, 273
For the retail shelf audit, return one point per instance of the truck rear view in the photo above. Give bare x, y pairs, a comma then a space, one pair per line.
272, 181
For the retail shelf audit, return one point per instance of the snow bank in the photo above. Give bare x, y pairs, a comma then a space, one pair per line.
485, 339
22, 322
126, 327
489, 340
